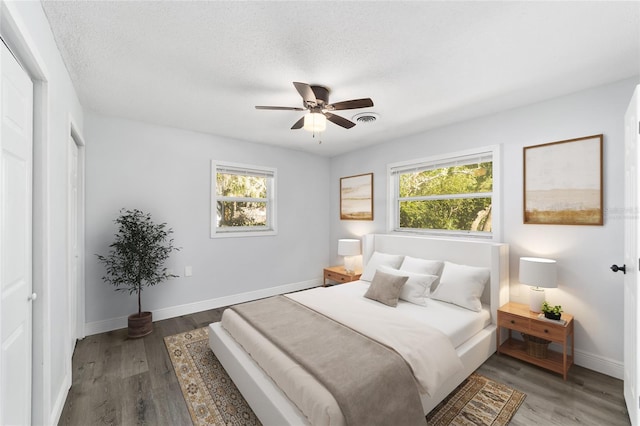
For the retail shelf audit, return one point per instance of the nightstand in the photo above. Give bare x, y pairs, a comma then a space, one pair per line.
518, 317
339, 275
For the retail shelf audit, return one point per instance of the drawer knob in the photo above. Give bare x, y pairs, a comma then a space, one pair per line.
546, 331
513, 322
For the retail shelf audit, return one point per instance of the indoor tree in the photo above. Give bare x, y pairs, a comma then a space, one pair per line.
136, 259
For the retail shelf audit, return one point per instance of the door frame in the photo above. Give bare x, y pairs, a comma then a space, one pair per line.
18, 38
76, 330
631, 371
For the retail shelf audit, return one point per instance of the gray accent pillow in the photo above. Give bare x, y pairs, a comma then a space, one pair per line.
386, 288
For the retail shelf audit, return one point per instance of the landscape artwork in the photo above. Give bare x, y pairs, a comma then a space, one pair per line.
563, 182
356, 197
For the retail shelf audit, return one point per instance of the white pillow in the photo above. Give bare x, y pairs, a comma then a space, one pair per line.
380, 259
462, 285
423, 266
417, 288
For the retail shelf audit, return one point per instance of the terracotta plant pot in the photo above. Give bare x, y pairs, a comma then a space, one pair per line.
140, 325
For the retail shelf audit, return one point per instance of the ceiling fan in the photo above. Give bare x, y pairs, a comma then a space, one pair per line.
316, 100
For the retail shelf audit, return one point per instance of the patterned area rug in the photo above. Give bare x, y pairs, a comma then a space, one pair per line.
213, 399
477, 401
211, 396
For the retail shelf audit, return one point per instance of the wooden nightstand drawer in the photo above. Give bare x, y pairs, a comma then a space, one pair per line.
548, 331
337, 277
513, 322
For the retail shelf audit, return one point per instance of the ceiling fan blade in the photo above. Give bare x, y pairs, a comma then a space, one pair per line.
307, 94
298, 124
352, 104
278, 108
340, 121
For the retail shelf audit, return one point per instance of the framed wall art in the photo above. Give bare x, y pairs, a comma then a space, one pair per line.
356, 197
563, 182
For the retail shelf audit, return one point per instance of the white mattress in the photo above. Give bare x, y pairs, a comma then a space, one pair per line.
459, 324
308, 394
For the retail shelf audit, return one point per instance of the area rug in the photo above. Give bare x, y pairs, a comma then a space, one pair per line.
477, 401
213, 399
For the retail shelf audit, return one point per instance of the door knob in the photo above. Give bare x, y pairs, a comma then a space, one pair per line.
33, 297
616, 268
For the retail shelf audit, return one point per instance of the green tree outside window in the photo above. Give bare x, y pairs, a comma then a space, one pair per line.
455, 198
242, 200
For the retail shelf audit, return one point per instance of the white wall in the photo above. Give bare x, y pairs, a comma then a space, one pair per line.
27, 31
587, 288
167, 172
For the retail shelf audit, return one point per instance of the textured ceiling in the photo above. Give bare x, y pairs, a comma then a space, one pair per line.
204, 65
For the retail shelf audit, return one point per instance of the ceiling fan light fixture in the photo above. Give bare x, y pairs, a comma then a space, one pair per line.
315, 122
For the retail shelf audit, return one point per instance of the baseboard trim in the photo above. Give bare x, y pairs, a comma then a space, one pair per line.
58, 405
598, 363
601, 364
111, 324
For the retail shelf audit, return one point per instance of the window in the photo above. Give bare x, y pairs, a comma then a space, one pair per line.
243, 200
453, 195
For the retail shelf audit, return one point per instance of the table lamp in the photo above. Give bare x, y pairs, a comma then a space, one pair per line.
538, 273
349, 248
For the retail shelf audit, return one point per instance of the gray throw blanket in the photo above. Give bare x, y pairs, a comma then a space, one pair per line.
372, 383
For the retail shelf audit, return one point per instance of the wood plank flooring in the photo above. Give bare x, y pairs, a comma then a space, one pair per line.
117, 381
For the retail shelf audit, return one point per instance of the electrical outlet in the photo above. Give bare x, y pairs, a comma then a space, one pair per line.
188, 271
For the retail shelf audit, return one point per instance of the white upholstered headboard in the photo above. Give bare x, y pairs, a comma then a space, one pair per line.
494, 256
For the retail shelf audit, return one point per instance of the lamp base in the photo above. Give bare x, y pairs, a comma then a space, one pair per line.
349, 264
536, 299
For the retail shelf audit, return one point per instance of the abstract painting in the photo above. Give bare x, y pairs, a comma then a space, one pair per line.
563, 182
356, 197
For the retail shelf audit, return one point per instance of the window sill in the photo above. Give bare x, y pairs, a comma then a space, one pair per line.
242, 234
446, 234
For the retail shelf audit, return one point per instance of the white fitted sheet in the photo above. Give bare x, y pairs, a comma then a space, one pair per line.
307, 393
459, 324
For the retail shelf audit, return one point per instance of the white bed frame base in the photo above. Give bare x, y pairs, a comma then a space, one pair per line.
272, 406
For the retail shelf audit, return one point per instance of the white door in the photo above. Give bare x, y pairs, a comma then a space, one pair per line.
631, 251
16, 144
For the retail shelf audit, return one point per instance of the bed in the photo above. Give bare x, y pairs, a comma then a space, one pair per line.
473, 340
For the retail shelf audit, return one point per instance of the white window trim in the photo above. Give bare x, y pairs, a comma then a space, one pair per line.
244, 231
495, 234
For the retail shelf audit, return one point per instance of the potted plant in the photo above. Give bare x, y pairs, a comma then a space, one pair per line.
552, 312
136, 260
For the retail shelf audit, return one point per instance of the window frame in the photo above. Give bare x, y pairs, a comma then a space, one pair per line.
393, 203
244, 231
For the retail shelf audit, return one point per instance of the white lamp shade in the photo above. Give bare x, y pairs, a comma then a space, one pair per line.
315, 122
539, 272
348, 247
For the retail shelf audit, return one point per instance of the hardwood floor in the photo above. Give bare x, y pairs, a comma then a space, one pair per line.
586, 398
117, 381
